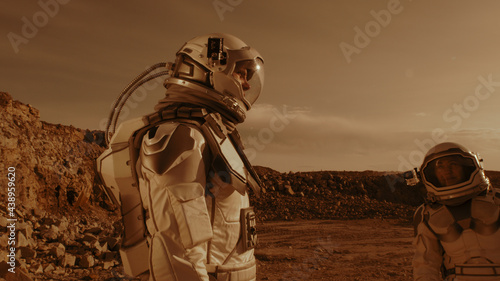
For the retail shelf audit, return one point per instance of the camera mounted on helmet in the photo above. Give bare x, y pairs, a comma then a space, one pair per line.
215, 51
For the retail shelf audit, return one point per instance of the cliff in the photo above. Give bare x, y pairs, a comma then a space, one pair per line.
53, 163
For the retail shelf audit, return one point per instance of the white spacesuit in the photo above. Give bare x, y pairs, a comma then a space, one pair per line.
194, 180
457, 235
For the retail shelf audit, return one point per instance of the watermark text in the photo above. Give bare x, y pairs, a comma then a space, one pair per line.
11, 220
30, 27
363, 36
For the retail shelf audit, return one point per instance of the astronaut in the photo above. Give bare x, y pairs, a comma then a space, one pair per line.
193, 177
456, 230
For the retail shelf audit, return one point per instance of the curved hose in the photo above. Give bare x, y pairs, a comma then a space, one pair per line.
132, 90
125, 94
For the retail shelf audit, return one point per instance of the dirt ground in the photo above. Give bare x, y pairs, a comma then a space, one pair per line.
371, 249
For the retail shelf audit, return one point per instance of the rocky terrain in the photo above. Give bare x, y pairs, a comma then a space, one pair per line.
335, 195
64, 228
56, 211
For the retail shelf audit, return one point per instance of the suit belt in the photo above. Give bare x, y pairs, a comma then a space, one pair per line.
214, 268
474, 270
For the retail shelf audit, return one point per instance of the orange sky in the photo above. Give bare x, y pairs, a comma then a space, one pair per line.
350, 85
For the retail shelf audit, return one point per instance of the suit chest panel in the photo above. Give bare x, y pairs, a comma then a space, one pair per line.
233, 160
481, 216
485, 214
226, 201
472, 245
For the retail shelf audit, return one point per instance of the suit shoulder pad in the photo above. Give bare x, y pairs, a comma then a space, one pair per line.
418, 217
165, 143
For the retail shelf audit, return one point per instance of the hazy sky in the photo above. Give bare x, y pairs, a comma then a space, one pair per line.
350, 85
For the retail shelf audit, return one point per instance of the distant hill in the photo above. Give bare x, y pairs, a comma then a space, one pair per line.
335, 195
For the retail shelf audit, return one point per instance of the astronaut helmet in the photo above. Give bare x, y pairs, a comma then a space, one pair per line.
224, 72
452, 174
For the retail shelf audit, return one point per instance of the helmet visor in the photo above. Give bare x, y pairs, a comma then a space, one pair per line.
449, 170
250, 75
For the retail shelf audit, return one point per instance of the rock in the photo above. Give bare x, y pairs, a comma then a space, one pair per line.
108, 264
18, 275
87, 261
4, 241
89, 238
26, 229
68, 260
289, 190
113, 243
63, 224
94, 230
49, 268
51, 234
59, 271
57, 250
21, 240
3, 221
5, 99
39, 213
97, 248
109, 256
25, 253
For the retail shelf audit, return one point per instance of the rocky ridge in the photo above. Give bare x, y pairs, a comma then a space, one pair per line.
57, 214
335, 195
53, 163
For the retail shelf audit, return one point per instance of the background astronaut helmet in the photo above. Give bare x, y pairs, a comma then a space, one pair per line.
452, 174
230, 71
